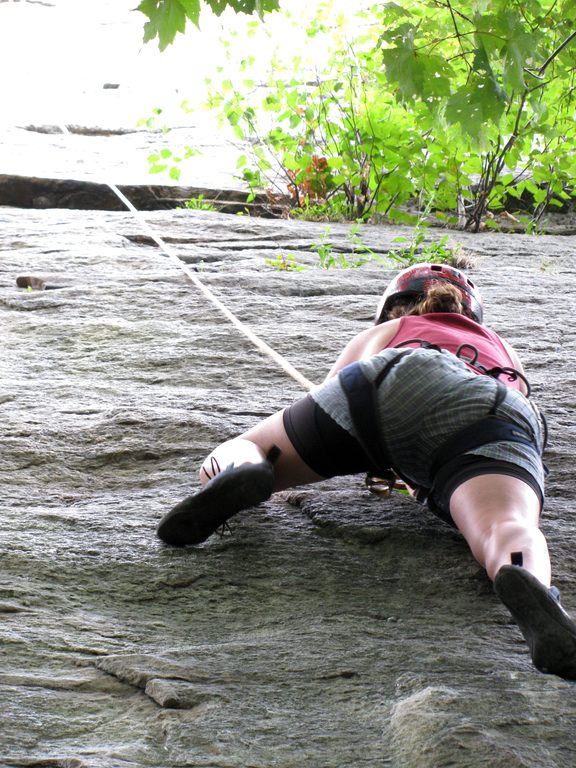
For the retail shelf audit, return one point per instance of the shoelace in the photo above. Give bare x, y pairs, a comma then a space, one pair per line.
224, 528
214, 466
216, 469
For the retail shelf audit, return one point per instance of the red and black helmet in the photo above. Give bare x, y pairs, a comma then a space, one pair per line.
415, 282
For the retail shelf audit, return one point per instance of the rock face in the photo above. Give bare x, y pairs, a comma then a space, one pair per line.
31, 192
89, 155
331, 628
42, 167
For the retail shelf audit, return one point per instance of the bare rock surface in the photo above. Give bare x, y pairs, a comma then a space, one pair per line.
120, 154
332, 629
67, 166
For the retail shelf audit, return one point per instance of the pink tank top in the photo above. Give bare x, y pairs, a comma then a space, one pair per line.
453, 332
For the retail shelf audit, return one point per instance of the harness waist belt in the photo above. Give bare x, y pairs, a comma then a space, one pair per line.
361, 396
489, 429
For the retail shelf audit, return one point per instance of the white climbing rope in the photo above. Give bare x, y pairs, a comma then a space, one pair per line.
193, 277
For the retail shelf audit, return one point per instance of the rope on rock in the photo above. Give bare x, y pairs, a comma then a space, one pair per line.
286, 366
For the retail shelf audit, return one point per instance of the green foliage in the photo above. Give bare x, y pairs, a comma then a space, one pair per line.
356, 253
165, 160
150, 122
324, 250
417, 250
199, 204
329, 258
285, 262
466, 104
168, 17
509, 85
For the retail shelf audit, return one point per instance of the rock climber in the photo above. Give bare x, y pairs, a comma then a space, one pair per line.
430, 395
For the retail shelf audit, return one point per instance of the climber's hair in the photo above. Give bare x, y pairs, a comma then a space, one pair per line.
442, 297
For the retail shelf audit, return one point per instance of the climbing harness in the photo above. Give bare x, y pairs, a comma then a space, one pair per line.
361, 394
512, 373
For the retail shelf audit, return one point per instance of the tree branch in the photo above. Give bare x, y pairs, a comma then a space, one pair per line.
555, 53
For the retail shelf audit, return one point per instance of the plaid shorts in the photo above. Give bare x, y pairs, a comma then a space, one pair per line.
426, 398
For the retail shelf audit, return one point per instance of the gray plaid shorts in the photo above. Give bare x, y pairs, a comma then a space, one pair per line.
426, 398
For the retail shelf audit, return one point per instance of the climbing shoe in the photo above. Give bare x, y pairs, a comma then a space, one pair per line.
198, 516
547, 628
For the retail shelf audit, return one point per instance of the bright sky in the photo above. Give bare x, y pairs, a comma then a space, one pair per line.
56, 55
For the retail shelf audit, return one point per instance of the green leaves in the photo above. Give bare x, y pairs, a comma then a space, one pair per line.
497, 75
191, 9
417, 74
476, 104
168, 17
435, 94
486, 52
508, 44
165, 160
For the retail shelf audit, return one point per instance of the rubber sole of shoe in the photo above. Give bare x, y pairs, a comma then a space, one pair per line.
546, 627
198, 516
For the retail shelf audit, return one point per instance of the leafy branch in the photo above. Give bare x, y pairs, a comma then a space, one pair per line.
556, 53
166, 18
443, 101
